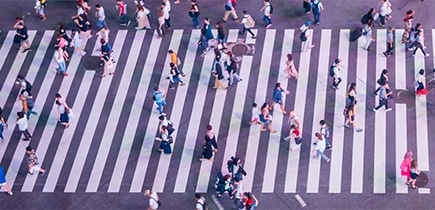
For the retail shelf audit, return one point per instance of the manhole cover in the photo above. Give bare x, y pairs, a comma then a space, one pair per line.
239, 49
91, 63
422, 180
404, 96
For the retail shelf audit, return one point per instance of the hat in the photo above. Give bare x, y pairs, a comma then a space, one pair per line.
147, 192
307, 23
337, 61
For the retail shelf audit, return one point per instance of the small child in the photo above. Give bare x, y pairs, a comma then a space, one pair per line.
255, 114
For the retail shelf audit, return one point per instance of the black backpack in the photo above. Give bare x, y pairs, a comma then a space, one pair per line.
28, 85
271, 9
331, 71
316, 8
365, 19
303, 36
230, 164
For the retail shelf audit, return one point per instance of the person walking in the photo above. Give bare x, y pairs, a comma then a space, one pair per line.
39, 9
165, 6
60, 60
368, 17
383, 98
22, 126
233, 69
405, 166
77, 42
176, 60
294, 137
335, 73
122, 13
316, 6
267, 15
62, 43
230, 8
27, 104
419, 43
32, 161
414, 173
62, 114
159, 98
194, 13
161, 31
351, 94
210, 145
105, 51
83, 24
290, 69
306, 43
248, 23
25, 85
382, 79
3, 181
349, 113
421, 83
3, 124
326, 132
206, 36
200, 202
384, 11
221, 37
277, 97
320, 148
368, 35
223, 184
390, 42
251, 202
101, 17
142, 17
266, 118
175, 76
154, 201
218, 74
255, 114
307, 6
165, 141
22, 33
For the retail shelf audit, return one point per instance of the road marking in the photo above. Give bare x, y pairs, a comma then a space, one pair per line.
302, 202
216, 201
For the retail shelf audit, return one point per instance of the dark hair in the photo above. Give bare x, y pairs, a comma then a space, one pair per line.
170, 51
58, 95
421, 72
266, 0
156, 88
20, 114
209, 127
322, 122
207, 19
28, 148
172, 65
289, 57
277, 85
20, 76
264, 105
244, 12
161, 117
254, 104
97, 6
197, 195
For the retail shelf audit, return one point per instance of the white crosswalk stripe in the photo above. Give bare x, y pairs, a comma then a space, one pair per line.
89, 156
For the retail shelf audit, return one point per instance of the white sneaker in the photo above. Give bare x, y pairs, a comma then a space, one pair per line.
375, 110
427, 54
389, 109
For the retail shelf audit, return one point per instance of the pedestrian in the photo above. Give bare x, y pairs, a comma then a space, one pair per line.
419, 43
77, 42
32, 161
233, 69
293, 119
200, 202
221, 37
108, 65
415, 173
163, 121
80, 10
63, 34
154, 202
334, 72
62, 114
294, 137
101, 17
368, 18
251, 202
194, 13
85, 4
206, 36
267, 15
60, 60
236, 169
349, 113
223, 184
83, 24
159, 98
307, 7
351, 94
175, 76
266, 118
306, 43
176, 61
218, 74
382, 79
412, 36
3, 124
60, 99
161, 31
23, 36
320, 148
24, 84
166, 8
62, 43
27, 104
165, 141
405, 35
368, 34
105, 51
383, 98
409, 18
39, 9
22, 126
316, 6
121, 6
326, 132
255, 114
3, 181
405, 166
390, 42
142, 17
230, 8
210, 145
104, 34
290, 68
248, 23
277, 97
421, 83
384, 11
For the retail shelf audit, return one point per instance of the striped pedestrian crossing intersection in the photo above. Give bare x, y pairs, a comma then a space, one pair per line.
110, 145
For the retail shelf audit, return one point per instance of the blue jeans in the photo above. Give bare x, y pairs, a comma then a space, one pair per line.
195, 21
123, 19
62, 67
30, 112
101, 24
1, 131
267, 20
219, 39
324, 157
316, 18
204, 43
327, 142
160, 106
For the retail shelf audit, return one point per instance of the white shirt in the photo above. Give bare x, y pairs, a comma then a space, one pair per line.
22, 123
153, 200
267, 10
100, 14
168, 5
80, 11
255, 112
383, 9
200, 203
420, 78
166, 10
321, 145
245, 21
336, 71
105, 35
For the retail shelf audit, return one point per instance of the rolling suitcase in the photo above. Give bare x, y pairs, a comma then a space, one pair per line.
355, 34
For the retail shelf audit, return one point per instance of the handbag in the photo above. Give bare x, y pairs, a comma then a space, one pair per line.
170, 140
70, 113
17, 39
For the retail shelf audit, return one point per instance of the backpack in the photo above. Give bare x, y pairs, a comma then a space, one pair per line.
365, 19
30, 103
204, 205
315, 7
250, 21
327, 131
270, 9
303, 36
154, 97
331, 71
230, 164
28, 85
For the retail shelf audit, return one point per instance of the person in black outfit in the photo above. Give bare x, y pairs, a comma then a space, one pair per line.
210, 145
22, 32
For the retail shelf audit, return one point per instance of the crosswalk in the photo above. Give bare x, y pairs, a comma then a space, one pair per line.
110, 145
